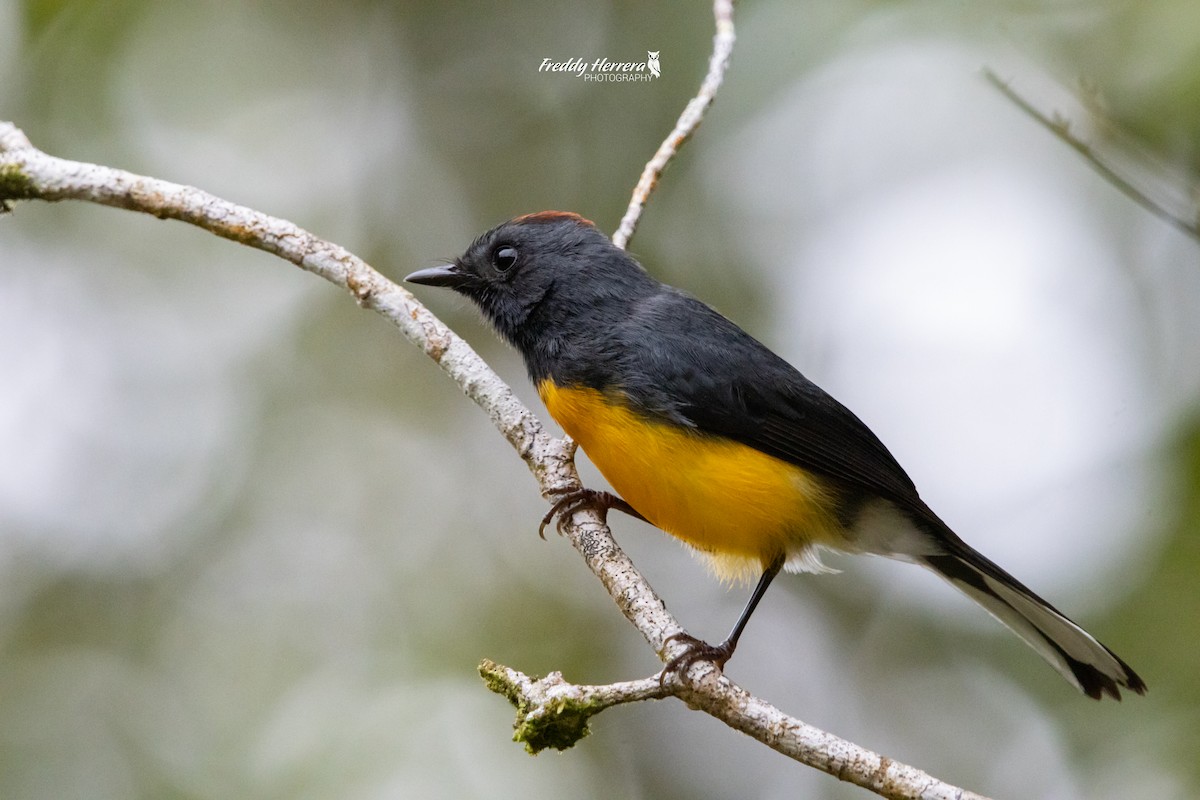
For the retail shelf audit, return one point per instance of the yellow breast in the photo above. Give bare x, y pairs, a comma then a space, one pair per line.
736, 504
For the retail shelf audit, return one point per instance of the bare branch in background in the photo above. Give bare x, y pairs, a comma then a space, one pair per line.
1061, 128
685, 126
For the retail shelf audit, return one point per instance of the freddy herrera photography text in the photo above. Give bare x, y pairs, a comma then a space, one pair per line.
604, 69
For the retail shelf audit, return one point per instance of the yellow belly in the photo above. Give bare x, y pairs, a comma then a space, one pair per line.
736, 504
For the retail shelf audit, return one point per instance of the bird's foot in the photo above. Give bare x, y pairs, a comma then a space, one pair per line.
568, 504
697, 650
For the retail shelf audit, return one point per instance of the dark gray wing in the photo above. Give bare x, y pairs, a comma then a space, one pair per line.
684, 361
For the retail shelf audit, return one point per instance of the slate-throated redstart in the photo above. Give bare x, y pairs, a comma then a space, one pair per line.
713, 438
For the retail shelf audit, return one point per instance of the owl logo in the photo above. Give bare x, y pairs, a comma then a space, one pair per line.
652, 62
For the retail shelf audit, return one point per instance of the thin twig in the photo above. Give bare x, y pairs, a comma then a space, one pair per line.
1062, 130
685, 126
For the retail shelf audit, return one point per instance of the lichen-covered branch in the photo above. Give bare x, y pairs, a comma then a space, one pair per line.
552, 713
737, 708
28, 173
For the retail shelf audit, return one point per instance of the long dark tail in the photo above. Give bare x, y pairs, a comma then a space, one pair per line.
1070, 649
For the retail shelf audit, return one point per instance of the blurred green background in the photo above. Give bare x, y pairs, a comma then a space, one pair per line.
253, 545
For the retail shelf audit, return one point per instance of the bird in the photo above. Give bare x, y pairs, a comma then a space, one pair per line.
707, 434
652, 62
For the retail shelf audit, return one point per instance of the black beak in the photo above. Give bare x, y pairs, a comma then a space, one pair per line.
445, 275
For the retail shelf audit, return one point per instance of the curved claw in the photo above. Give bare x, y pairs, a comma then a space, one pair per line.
569, 503
697, 650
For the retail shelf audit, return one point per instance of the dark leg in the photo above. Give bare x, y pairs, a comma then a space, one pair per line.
567, 505
718, 654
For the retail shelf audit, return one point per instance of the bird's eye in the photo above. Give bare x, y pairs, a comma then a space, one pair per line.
504, 257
